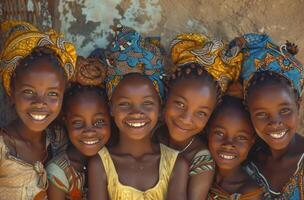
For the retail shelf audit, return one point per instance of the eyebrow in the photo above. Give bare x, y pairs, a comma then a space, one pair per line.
27, 85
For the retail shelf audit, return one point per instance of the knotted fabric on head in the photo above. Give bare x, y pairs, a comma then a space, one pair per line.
130, 53
22, 38
261, 54
221, 62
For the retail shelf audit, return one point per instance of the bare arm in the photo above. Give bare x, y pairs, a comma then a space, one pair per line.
177, 188
97, 179
199, 185
55, 193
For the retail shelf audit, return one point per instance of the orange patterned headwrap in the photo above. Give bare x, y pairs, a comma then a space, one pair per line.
221, 62
22, 38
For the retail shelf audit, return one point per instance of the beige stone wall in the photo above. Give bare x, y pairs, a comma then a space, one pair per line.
88, 22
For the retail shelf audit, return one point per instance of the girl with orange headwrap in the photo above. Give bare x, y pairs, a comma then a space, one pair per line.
35, 68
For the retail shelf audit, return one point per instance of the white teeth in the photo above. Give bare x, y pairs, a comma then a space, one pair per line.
90, 142
228, 157
136, 124
278, 135
38, 117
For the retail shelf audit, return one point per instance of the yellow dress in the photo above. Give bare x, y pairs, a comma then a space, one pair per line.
118, 191
20, 180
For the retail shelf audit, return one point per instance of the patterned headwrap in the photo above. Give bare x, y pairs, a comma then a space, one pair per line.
261, 54
130, 53
221, 62
22, 38
90, 71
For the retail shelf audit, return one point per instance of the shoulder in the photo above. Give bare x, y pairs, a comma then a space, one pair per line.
96, 165
56, 172
181, 164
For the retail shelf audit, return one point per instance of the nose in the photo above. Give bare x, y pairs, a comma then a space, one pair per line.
89, 132
137, 112
275, 122
228, 143
39, 101
186, 118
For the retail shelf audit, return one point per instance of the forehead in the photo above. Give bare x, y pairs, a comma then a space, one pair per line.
135, 86
270, 95
87, 100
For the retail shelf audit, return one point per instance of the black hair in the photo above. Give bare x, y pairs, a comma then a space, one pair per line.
37, 54
265, 78
77, 88
193, 71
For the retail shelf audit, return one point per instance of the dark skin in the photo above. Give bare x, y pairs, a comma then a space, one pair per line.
37, 94
87, 121
230, 138
135, 107
275, 115
188, 108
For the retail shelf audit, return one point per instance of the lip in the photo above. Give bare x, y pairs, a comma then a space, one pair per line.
136, 123
38, 116
227, 156
90, 142
278, 134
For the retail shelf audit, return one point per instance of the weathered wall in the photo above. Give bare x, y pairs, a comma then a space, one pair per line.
88, 22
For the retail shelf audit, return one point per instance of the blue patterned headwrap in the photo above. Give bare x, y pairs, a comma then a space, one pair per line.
261, 54
130, 53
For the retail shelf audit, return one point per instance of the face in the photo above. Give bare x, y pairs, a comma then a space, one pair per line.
275, 115
37, 94
88, 122
230, 138
188, 108
135, 107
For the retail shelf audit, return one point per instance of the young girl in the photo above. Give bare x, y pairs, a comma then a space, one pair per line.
230, 137
273, 83
87, 121
203, 69
35, 68
136, 168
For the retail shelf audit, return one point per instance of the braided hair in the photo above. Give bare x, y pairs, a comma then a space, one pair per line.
193, 71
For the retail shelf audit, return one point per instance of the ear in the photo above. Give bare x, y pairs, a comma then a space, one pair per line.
111, 109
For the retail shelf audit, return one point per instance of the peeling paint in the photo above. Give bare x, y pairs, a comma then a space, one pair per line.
88, 23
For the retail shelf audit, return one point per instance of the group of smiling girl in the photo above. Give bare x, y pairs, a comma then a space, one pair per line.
218, 122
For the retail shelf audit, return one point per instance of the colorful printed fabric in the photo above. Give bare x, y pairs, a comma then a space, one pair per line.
217, 193
261, 54
294, 188
221, 62
118, 191
20, 180
22, 38
66, 178
130, 53
202, 161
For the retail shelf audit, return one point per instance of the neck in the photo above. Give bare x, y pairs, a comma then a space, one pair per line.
223, 175
179, 145
75, 155
26, 134
135, 148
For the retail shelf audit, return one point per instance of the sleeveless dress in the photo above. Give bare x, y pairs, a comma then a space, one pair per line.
118, 191
66, 178
20, 180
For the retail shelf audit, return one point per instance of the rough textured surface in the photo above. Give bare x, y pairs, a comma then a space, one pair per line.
88, 22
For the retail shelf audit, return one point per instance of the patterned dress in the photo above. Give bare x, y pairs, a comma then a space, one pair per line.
20, 180
65, 177
294, 188
118, 191
202, 161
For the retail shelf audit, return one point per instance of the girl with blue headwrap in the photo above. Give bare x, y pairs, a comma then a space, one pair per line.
273, 84
135, 167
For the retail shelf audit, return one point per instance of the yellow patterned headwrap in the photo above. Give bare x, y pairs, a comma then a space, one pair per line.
22, 38
221, 62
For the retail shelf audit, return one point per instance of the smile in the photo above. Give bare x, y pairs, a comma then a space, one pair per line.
227, 157
38, 117
278, 135
90, 142
136, 124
